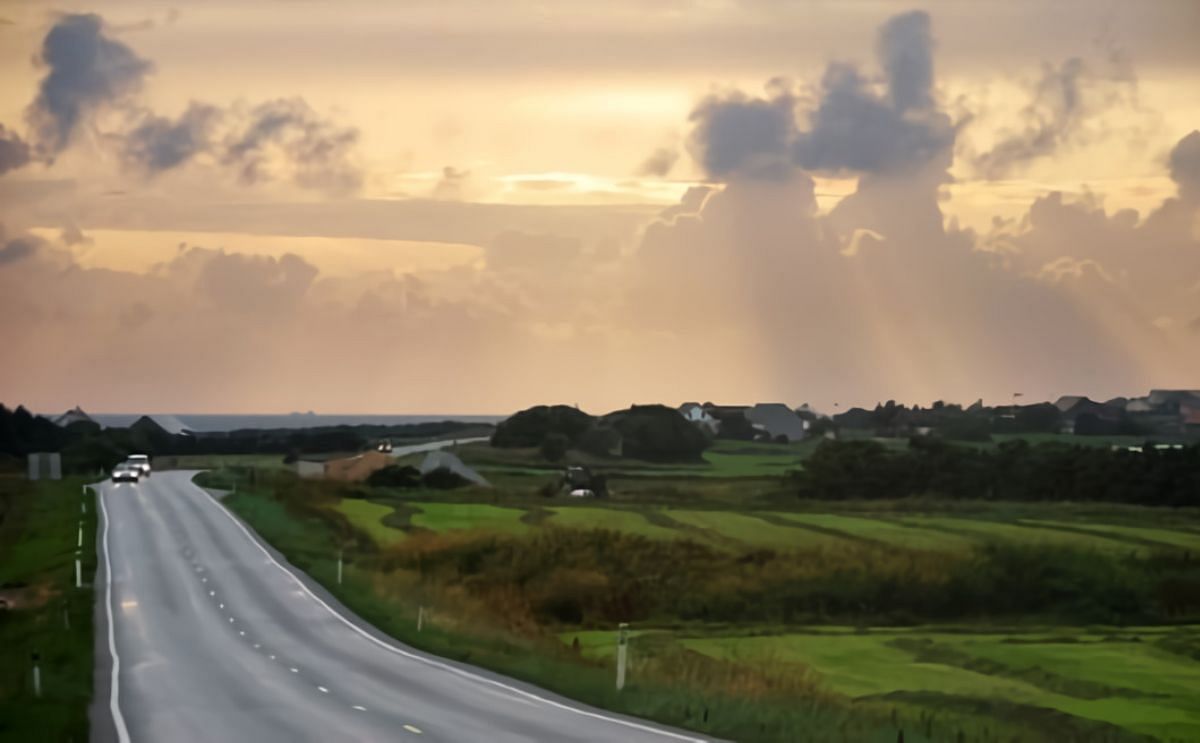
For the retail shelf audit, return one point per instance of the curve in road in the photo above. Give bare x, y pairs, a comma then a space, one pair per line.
211, 635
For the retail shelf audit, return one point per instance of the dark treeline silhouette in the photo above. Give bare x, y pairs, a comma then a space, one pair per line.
85, 445
1014, 470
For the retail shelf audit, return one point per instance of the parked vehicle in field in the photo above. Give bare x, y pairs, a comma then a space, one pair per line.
141, 462
126, 472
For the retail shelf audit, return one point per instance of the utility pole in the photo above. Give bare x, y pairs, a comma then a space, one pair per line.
622, 653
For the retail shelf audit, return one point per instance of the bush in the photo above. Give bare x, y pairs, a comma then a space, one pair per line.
657, 433
444, 479
531, 427
395, 476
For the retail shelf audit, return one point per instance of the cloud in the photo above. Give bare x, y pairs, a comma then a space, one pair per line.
85, 71
286, 138
659, 163
1063, 100
1184, 162
14, 152
851, 127
158, 144
450, 186
18, 248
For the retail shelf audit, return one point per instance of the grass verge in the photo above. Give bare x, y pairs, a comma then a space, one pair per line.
47, 615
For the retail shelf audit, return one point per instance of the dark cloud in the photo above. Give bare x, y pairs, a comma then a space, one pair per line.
1184, 162
159, 144
738, 135
18, 249
85, 70
287, 135
854, 129
851, 127
660, 162
14, 152
905, 51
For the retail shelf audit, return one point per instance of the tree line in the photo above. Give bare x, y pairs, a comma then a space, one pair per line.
1013, 470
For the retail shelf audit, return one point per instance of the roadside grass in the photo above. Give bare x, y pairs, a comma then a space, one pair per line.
49, 616
216, 461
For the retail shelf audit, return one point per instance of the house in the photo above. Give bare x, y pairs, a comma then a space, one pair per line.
1169, 401
74, 415
696, 414
777, 420
1189, 416
1073, 407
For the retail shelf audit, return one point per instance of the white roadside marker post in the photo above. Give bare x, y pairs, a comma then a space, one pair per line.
420, 617
339, 567
622, 648
78, 573
37, 675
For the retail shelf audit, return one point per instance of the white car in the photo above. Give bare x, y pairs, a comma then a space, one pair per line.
141, 462
126, 472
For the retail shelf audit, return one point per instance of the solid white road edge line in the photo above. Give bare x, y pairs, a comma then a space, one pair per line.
429, 661
114, 704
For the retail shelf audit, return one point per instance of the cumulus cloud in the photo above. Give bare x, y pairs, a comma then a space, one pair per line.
158, 143
1064, 98
86, 70
853, 127
14, 152
660, 162
1184, 163
287, 138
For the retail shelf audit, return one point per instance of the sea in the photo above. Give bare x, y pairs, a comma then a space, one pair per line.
209, 422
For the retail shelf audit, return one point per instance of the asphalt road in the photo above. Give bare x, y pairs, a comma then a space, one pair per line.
206, 634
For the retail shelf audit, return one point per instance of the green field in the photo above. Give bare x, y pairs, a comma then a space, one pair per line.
442, 517
886, 531
368, 517
633, 522
1124, 679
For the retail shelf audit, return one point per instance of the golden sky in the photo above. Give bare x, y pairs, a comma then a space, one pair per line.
468, 206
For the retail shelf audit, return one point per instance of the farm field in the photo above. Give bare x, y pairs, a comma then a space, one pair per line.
1124, 678
368, 517
777, 529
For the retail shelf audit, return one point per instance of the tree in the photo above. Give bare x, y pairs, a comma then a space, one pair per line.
530, 427
554, 447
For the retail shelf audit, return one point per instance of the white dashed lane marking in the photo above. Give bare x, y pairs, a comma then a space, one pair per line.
323, 690
413, 729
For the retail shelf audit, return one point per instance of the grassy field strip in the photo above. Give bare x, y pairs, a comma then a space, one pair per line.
889, 532
368, 517
751, 530
47, 614
633, 522
442, 517
980, 529
1158, 536
866, 665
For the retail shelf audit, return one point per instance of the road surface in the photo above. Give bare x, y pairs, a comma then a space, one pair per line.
206, 634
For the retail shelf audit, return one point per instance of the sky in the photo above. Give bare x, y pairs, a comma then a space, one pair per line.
460, 206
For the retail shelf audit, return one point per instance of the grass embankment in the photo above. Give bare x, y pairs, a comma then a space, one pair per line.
39, 528
1134, 679
689, 689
